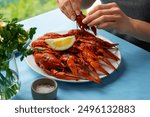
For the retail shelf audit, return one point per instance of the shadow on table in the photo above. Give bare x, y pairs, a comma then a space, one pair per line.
90, 85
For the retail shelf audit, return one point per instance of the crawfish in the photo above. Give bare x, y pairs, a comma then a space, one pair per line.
53, 66
48, 61
83, 26
78, 69
93, 60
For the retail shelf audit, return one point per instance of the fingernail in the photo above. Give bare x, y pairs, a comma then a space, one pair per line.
77, 12
73, 18
84, 21
89, 25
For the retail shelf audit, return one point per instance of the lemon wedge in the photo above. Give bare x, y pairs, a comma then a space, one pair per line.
61, 44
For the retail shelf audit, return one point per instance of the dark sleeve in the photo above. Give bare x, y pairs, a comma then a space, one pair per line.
87, 3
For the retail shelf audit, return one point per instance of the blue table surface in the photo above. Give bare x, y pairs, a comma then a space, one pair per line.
130, 82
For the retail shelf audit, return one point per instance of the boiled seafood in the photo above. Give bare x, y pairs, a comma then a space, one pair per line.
82, 26
82, 61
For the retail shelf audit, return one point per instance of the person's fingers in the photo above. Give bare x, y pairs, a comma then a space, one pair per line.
105, 25
63, 9
102, 6
76, 6
66, 8
100, 13
104, 19
70, 11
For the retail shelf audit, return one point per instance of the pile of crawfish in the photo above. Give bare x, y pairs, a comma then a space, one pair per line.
82, 61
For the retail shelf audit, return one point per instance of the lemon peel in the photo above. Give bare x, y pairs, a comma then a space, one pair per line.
62, 43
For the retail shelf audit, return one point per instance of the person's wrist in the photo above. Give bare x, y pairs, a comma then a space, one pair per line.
131, 26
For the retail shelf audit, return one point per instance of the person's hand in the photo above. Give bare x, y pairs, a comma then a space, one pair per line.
109, 15
70, 8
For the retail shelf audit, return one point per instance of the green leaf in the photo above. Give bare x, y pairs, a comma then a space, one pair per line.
32, 32
13, 37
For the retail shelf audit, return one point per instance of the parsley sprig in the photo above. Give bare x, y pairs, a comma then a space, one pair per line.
13, 37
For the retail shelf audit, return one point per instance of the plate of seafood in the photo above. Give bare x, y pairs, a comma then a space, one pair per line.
87, 58
90, 58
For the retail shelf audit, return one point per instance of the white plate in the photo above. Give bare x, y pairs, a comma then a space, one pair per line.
30, 61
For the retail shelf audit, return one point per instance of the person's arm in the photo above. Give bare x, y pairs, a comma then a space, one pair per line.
140, 30
110, 15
